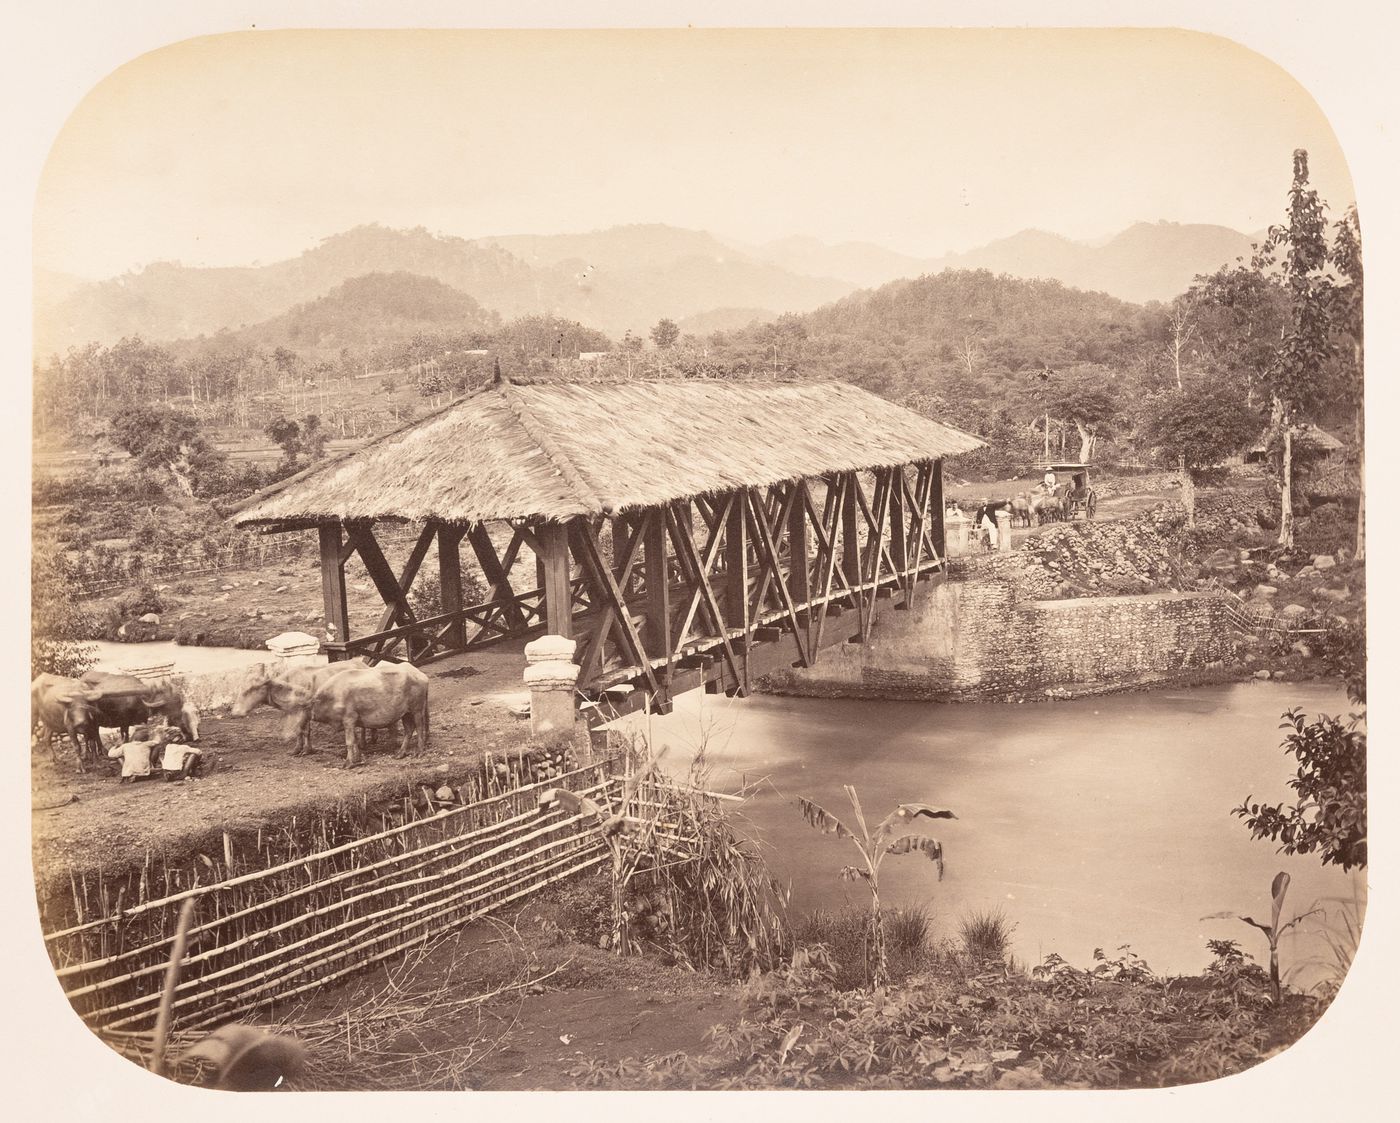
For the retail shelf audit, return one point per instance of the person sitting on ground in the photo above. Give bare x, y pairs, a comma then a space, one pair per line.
181, 761
135, 755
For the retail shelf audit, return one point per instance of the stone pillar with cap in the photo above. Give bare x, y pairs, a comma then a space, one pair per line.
294, 649
551, 676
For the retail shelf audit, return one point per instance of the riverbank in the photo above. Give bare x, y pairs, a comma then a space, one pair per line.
516, 1004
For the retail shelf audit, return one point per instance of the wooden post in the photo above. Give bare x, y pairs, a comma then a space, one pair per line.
333, 585
800, 557
553, 538
899, 529
936, 510
450, 579
658, 584
736, 554
850, 536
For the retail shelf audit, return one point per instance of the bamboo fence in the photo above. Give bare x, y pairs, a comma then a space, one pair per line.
281, 930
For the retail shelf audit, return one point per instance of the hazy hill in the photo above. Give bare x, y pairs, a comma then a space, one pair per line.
861, 263
1147, 261
171, 301
724, 319
628, 277
372, 309
639, 274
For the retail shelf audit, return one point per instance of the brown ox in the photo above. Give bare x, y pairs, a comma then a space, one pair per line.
55, 702
1021, 509
375, 698
290, 691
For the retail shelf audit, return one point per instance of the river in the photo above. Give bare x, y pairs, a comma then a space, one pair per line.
1092, 823
188, 660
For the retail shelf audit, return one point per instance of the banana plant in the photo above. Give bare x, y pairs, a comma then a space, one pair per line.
1272, 931
874, 847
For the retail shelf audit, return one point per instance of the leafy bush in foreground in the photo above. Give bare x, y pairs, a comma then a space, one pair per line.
967, 1028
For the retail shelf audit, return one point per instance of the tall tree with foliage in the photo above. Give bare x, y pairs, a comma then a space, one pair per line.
1295, 376
161, 437
1348, 298
1198, 426
1087, 396
665, 333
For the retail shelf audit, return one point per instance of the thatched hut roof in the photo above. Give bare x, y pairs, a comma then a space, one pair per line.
1309, 436
554, 450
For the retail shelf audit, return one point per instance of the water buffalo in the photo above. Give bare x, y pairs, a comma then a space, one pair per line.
121, 701
56, 703
289, 691
375, 698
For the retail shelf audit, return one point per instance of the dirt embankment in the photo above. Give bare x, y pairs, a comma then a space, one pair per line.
92, 820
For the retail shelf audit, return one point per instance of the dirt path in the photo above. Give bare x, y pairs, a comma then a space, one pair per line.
503, 1005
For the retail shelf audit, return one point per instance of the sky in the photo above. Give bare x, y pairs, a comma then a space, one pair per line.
252, 146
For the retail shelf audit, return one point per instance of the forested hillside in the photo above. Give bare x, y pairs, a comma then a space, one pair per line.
374, 310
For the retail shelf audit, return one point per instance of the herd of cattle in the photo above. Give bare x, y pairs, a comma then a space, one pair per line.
352, 696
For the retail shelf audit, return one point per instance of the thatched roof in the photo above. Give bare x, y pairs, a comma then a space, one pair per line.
1309, 436
554, 450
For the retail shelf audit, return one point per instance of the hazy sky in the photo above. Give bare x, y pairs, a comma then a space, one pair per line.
253, 146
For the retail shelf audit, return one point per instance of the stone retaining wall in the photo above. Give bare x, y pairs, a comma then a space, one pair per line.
975, 638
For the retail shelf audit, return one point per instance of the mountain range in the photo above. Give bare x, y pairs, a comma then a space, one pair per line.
619, 279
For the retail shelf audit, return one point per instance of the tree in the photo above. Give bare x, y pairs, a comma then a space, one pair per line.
1198, 425
58, 624
1294, 375
1347, 324
313, 437
1088, 397
665, 333
161, 437
286, 433
873, 849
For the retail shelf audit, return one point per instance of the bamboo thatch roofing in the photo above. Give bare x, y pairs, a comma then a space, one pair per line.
554, 450
1309, 436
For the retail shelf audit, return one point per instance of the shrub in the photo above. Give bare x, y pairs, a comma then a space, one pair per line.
986, 936
844, 936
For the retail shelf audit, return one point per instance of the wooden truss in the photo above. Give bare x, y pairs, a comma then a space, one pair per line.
714, 590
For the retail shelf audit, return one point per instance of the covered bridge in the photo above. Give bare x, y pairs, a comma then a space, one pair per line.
682, 532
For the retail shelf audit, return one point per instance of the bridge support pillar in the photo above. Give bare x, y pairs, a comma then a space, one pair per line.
551, 676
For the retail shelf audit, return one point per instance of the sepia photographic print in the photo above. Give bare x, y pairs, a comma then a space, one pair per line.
697, 559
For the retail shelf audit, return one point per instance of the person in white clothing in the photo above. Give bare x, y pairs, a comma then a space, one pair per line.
181, 761
135, 755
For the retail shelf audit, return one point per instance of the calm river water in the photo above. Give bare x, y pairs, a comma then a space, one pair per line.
1091, 823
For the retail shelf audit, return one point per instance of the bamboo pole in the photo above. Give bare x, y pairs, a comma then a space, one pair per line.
172, 975
300, 862
302, 918
396, 950
458, 841
299, 965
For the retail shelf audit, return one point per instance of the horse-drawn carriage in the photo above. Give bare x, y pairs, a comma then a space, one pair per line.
1075, 494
